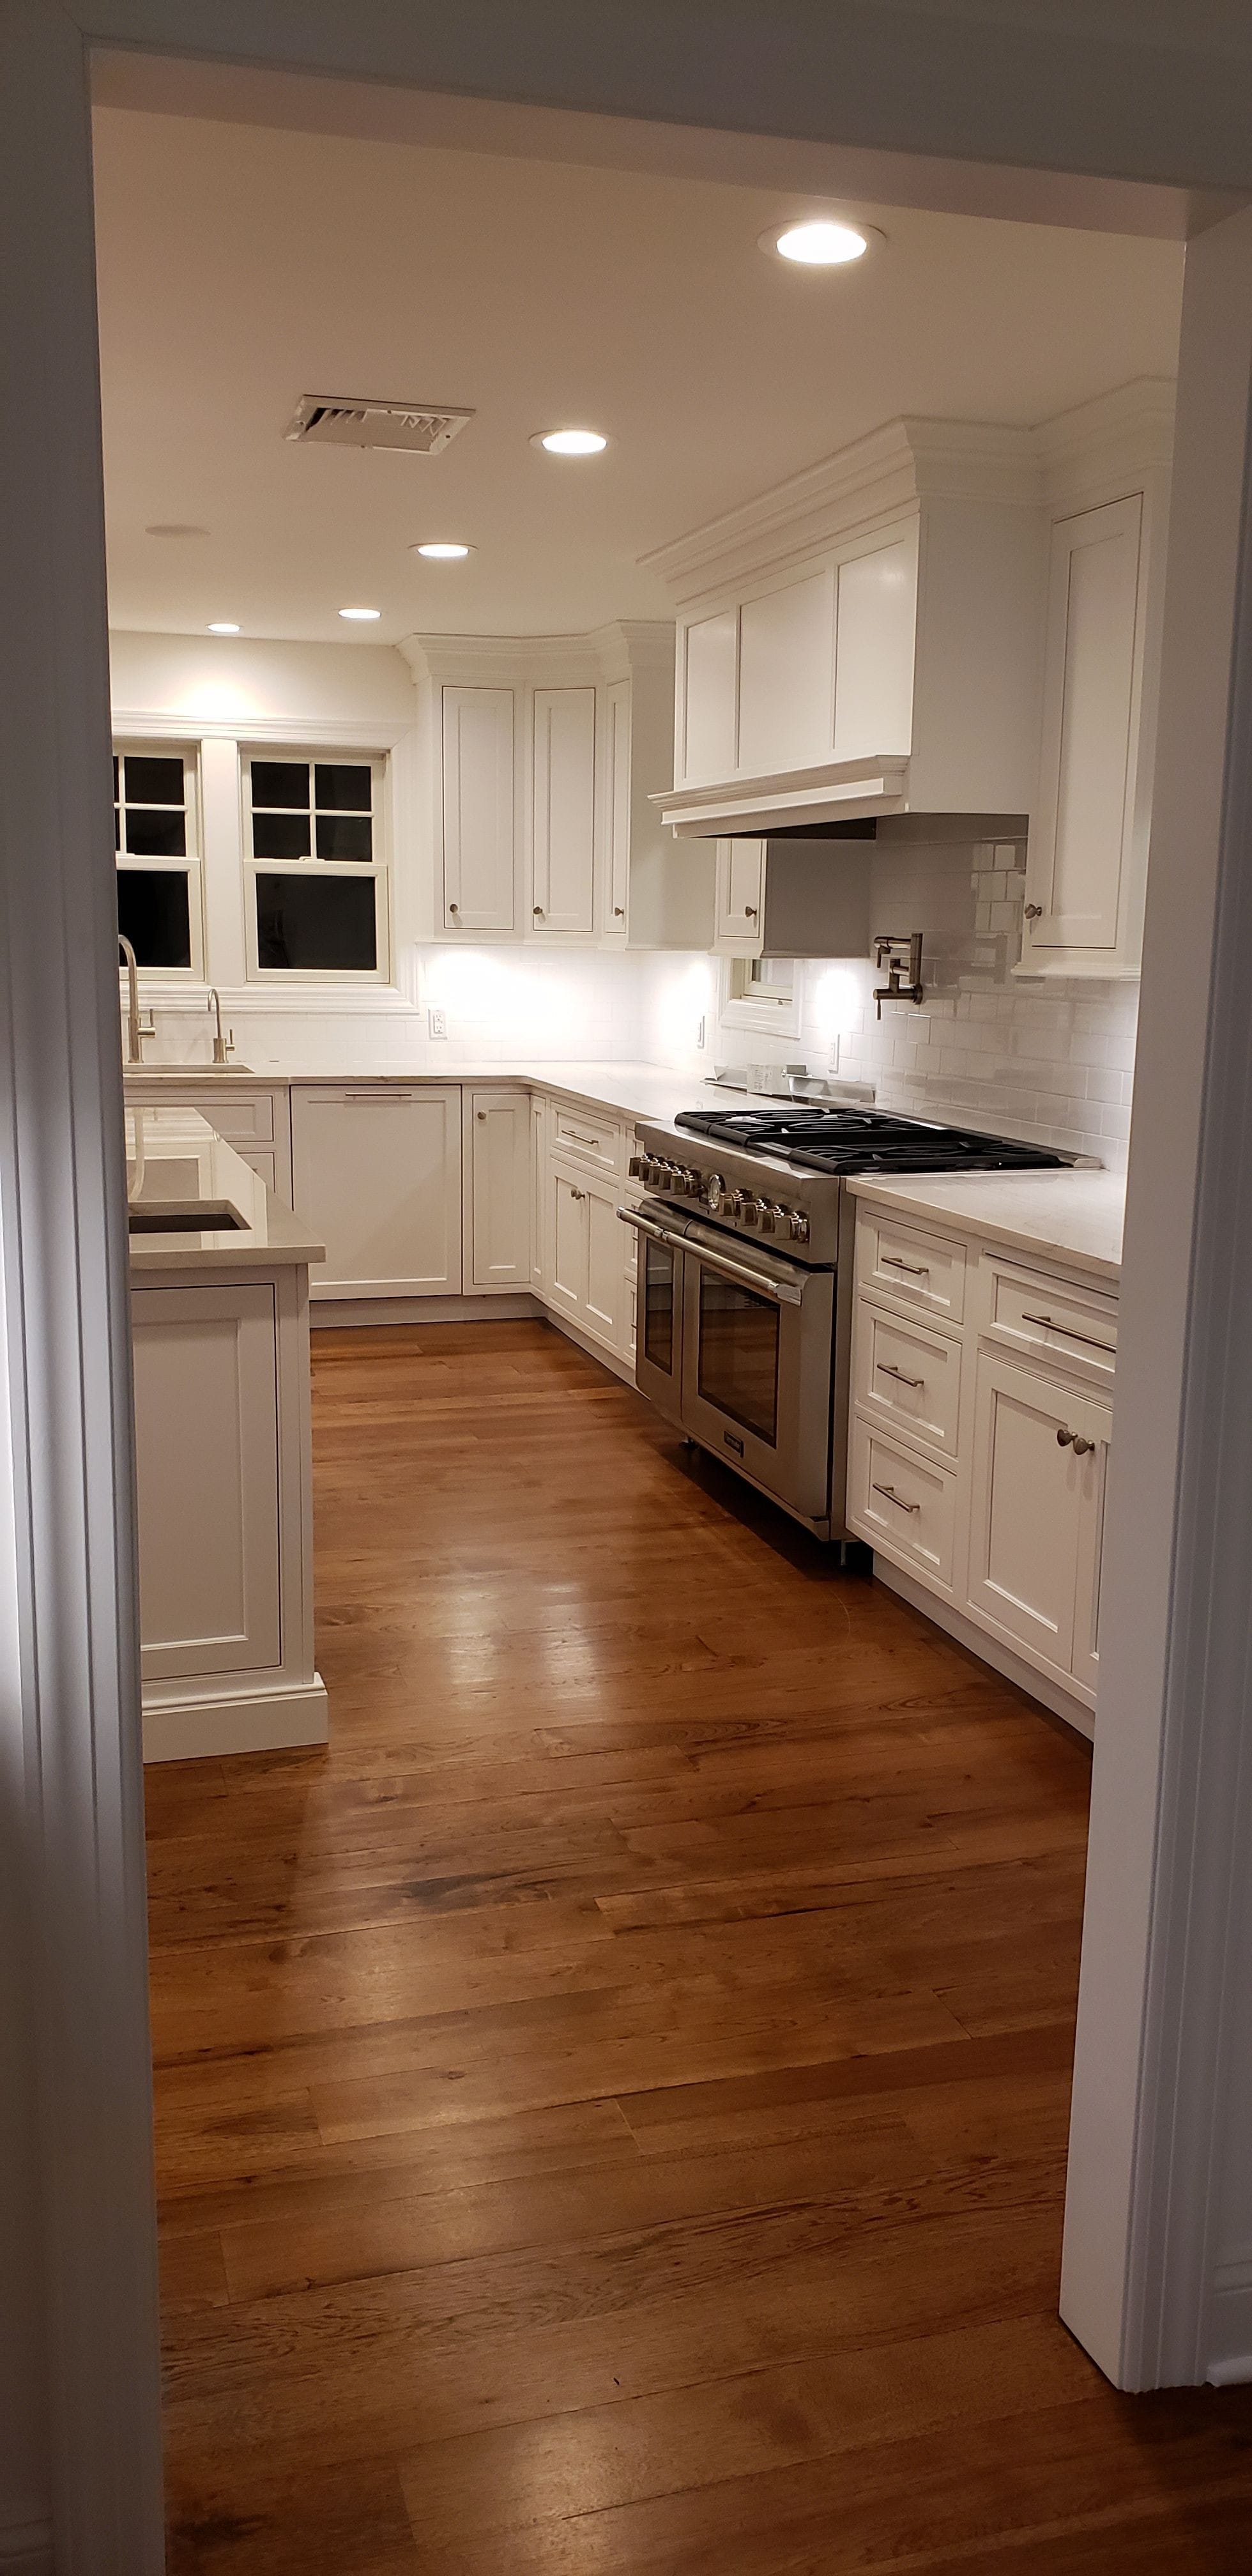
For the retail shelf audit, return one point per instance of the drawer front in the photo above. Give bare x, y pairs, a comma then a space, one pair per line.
903, 1504
583, 1136
242, 1117
1052, 1320
922, 1270
908, 1375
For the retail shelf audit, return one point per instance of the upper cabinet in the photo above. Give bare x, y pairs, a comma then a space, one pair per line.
543, 755
1086, 867
875, 638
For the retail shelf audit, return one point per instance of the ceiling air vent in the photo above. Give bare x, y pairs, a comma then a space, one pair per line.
412, 429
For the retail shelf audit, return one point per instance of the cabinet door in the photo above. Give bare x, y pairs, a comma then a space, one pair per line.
563, 812
377, 1172
538, 1195
1086, 1657
499, 1153
567, 1241
617, 753
786, 676
479, 809
1080, 842
876, 632
708, 726
206, 1436
1031, 1506
606, 1275
740, 896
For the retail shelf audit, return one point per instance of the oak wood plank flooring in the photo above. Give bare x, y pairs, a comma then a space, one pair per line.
611, 2103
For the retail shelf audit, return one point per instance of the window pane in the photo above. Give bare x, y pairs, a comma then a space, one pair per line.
280, 836
154, 912
345, 787
345, 836
155, 833
116, 789
315, 923
117, 829
153, 782
280, 782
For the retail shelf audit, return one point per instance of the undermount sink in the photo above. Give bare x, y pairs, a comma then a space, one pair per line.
212, 1216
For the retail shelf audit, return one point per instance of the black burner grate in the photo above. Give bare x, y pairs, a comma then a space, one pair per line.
865, 1140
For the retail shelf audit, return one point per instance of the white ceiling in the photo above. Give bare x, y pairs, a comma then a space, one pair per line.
241, 267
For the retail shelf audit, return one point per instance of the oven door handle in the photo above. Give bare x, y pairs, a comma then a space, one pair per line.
781, 1292
648, 1225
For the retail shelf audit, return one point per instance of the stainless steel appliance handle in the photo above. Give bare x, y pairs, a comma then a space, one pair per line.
780, 1292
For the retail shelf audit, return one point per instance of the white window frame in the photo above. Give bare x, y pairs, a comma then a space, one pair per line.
137, 746
311, 756
741, 1008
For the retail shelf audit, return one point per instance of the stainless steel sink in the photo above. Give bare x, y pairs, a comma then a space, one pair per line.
212, 1216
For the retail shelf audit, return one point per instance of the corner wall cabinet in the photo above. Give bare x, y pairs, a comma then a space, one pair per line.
479, 837
981, 1428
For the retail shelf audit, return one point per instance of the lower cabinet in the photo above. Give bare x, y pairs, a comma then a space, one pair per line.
206, 1439
497, 1150
586, 1278
376, 1173
1038, 1469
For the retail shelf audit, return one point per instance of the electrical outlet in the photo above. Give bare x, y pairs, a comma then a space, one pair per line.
834, 1055
700, 1033
438, 1023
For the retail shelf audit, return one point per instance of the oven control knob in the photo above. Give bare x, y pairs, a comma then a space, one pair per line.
751, 1208
714, 1192
799, 1226
733, 1204
635, 1166
695, 1184
772, 1216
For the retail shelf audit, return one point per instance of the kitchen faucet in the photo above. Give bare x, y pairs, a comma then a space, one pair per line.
898, 951
223, 1047
134, 1034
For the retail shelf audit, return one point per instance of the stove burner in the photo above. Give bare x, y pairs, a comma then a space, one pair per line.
865, 1140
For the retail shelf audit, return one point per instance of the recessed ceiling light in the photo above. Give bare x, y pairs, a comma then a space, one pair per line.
821, 241
175, 528
365, 615
442, 550
223, 626
570, 442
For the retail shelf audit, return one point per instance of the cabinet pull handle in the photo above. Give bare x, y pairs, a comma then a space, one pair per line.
577, 1194
888, 1371
890, 1495
892, 1261
397, 1096
579, 1138
1034, 912
1051, 1326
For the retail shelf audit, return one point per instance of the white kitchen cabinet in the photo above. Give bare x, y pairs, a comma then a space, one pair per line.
740, 901
479, 810
538, 1187
563, 813
206, 1437
1087, 851
256, 1122
586, 1279
377, 1174
497, 1155
1038, 1464
618, 808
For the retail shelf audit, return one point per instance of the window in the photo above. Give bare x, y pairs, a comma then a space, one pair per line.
158, 865
763, 993
318, 903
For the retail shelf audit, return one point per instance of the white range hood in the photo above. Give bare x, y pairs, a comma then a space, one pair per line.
833, 791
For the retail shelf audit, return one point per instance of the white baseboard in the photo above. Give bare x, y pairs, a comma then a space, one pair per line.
26, 2549
263, 1721
988, 1649
609, 1359
502, 1305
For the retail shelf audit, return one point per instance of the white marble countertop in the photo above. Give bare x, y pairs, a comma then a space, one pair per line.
1072, 1216
175, 1163
654, 1091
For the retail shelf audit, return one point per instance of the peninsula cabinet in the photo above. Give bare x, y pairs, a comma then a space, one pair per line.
376, 1171
981, 1426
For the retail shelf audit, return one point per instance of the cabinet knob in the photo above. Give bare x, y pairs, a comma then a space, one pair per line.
482, 1113
1064, 1439
454, 908
1034, 912
539, 912
749, 912
619, 912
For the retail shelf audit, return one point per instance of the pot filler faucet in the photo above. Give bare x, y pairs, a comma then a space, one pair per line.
223, 1047
898, 952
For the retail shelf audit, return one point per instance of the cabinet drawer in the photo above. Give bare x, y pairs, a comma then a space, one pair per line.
901, 1503
909, 1375
242, 1117
584, 1137
1052, 1319
920, 1269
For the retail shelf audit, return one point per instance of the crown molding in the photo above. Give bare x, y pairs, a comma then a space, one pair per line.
163, 724
513, 661
894, 469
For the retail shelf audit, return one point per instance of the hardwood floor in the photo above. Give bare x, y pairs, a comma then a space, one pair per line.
611, 2105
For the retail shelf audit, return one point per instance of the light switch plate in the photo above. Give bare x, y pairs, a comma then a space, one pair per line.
438, 1023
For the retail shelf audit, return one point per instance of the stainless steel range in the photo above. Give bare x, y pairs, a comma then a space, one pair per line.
745, 1279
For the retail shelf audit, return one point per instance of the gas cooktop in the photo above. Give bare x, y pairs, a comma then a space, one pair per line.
864, 1140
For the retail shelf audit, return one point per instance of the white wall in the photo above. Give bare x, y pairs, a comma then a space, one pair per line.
227, 679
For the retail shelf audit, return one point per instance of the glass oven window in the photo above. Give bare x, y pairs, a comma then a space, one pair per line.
658, 1305
738, 1358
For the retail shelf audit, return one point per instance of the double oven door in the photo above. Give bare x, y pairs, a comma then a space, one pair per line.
735, 1347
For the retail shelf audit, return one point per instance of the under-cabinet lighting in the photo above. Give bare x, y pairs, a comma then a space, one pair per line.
570, 442
366, 616
442, 551
820, 242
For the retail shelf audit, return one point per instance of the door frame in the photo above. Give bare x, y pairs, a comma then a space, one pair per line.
1171, 1797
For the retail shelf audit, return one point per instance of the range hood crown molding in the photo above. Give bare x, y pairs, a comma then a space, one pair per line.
830, 791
